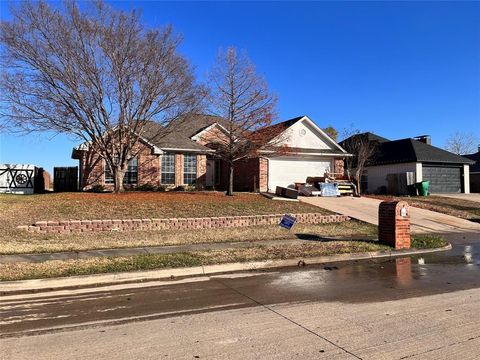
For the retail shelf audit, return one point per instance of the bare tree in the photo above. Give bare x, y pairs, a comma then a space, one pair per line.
363, 150
461, 143
96, 73
241, 97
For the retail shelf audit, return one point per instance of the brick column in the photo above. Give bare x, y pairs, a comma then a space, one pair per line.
338, 166
262, 174
394, 224
201, 171
178, 169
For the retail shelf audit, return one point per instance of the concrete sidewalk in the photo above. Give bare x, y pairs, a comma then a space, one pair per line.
74, 255
168, 249
366, 209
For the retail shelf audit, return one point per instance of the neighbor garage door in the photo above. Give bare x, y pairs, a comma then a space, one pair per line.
443, 179
286, 170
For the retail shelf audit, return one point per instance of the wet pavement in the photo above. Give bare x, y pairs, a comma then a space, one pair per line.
357, 282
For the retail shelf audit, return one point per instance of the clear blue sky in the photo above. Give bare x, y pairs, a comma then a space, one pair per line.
399, 69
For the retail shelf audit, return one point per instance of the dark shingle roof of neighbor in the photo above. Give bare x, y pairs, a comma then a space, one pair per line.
475, 168
364, 136
410, 150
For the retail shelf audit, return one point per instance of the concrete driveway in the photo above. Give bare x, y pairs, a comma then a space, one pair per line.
366, 209
470, 197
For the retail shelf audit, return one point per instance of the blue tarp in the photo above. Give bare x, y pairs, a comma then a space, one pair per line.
329, 189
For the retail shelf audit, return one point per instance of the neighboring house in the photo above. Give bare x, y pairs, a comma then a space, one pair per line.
186, 156
474, 171
446, 172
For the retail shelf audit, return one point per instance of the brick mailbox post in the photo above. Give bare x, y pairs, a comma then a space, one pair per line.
394, 224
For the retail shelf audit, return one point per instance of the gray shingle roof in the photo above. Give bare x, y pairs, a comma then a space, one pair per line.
474, 168
410, 150
178, 134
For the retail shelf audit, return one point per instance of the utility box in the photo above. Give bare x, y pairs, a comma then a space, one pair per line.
394, 224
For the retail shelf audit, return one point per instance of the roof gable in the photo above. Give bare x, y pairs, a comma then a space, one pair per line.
302, 133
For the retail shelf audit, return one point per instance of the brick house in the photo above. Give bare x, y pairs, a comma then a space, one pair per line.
186, 156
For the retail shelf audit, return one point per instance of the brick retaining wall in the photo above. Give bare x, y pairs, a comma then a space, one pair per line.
79, 226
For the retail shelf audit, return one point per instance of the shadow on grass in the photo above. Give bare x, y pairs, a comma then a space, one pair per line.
313, 237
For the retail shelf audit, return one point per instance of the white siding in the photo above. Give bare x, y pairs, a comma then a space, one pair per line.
303, 135
377, 175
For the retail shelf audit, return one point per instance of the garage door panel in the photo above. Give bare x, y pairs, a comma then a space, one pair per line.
443, 179
286, 171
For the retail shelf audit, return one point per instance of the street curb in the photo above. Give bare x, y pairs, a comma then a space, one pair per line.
53, 284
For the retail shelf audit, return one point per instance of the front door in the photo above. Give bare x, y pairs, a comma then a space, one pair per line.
210, 174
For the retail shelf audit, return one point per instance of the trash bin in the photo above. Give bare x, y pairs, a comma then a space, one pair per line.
423, 187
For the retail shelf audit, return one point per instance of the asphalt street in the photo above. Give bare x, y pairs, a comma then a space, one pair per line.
413, 307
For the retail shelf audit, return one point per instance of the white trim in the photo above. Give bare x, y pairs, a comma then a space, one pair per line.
187, 150
418, 172
323, 133
294, 153
466, 179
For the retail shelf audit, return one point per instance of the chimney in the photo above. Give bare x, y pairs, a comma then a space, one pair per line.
427, 139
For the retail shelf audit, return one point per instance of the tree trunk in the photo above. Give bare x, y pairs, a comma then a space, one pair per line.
118, 175
358, 175
230, 179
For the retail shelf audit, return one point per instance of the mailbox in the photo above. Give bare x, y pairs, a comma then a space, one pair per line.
394, 224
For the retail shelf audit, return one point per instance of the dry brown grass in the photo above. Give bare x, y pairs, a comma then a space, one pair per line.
27, 209
469, 210
56, 268
21, 242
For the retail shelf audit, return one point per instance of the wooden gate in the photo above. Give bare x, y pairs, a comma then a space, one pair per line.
65, 178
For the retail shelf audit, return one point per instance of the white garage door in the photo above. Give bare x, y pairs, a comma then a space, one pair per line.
285, 171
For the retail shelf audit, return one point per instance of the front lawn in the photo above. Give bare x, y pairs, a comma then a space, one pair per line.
469, 210
26, 209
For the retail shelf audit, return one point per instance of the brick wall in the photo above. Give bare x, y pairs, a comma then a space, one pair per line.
246, 174
78, 226
213, 135
149, 169
338, 166
263, 175
91, 170
178, 169
393, 228
201, 171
